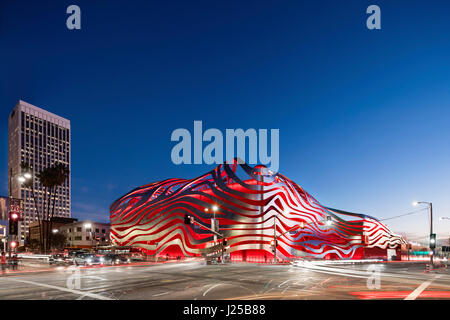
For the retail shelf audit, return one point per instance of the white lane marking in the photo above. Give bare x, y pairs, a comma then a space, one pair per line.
160, 294
285, 289
413, 295
351, 272
340, 274
279, 286
216, 285
83, 294
95, 277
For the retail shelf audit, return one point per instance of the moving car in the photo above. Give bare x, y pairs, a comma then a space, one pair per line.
137, 257
86, 259
112, 259
58, 259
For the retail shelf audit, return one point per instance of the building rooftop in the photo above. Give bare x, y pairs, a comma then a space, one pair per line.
36, 111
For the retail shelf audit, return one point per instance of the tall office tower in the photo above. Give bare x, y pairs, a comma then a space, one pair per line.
41, 139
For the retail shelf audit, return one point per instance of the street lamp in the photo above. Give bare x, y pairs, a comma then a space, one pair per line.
432, 243
215, 208
3, 236
21, 178
214, 225
89, 226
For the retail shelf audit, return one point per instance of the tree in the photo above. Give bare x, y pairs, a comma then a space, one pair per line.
34, 245
30, 184
57, 240
60, 173
46, 179
50, 179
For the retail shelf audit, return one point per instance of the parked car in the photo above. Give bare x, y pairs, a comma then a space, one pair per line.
112, 259
86, 259
58, 259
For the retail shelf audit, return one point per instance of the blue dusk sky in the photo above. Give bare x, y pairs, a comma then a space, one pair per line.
364, 115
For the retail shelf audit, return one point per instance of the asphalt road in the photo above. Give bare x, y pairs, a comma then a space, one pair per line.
198, 281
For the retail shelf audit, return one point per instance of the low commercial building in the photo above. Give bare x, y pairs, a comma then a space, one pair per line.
86, 234
34, 233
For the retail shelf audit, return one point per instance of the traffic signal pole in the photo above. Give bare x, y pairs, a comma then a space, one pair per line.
9, 208
431, 232
274, 239
301, 226
192, 221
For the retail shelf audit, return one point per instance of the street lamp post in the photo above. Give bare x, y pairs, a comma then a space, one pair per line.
214, 227
275, 243
21, 178
215, 208
430, 205
89, 226
3, 237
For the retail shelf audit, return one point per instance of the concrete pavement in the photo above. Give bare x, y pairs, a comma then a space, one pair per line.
197, 281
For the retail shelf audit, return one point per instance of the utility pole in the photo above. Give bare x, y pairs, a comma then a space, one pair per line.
9, 208
431, 231
274, 239
190, 220
3, 237
432, 238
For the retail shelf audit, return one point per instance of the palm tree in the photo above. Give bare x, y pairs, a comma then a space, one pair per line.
50, 178
47, 179
29, 183
60, 173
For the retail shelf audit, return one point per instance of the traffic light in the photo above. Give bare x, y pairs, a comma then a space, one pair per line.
13, 227
14, 216
225, 242
433, 240
15, 209
13, 244
274, 244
